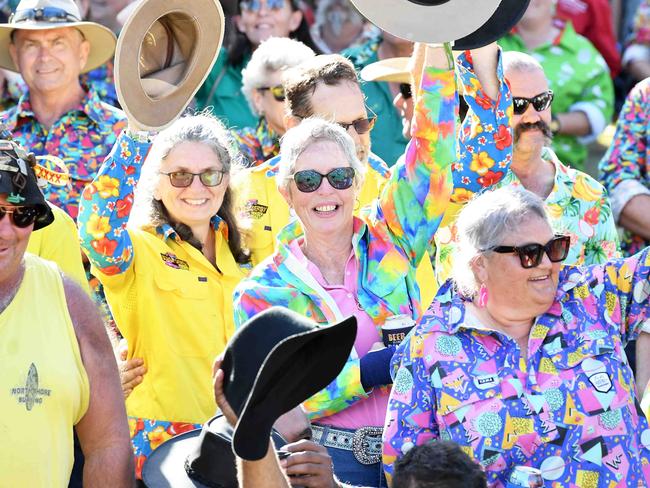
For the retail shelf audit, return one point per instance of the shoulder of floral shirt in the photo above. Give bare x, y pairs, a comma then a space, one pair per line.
566, 176
569, 39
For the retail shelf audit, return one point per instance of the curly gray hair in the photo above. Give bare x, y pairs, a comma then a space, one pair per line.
274, 54
312, 130
482, 224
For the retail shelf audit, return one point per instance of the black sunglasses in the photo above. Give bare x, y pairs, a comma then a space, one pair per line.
22, 216
46, 14
530, 255
540, 102
361, 126
276, 91
309, 180
183, 179
405, 90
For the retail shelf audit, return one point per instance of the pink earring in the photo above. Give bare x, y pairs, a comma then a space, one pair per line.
482, 296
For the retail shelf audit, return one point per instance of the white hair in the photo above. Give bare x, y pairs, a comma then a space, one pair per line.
310, 131
274, 54
482, 224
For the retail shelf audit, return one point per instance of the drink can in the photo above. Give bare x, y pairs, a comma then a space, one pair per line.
525, 476
395, 329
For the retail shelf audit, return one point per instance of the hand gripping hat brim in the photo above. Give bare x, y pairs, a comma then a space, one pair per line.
164, 53
470, 23
273, 363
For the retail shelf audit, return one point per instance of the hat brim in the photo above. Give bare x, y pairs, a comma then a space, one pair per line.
165, 466
392, 69
447, 22
155, 114
102, 41
284, 381
501, 22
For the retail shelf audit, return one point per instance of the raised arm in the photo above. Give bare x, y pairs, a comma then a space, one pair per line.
106, 205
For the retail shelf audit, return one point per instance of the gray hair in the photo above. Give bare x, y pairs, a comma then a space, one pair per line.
482, 224
310, 131
274, 54
521, 62
203, 128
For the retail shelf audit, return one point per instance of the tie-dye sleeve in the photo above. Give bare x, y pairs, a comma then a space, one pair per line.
409, 419
416, 196
485, 138
106, 204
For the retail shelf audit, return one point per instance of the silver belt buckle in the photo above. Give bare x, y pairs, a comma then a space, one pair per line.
366, 449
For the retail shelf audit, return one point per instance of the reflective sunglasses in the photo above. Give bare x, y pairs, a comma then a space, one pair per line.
405, 90
277, 91
183, 179
21, 217
256, 5
531, 255
309, 180
361, 126
45, 14
540, 102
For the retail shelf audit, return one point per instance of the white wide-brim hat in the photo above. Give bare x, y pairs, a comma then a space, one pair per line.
56, 14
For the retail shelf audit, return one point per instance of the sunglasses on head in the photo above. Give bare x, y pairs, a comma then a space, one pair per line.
277, 91
183, 179
405, 90
540, 102
531, 255
309, 180
45, 14
21, 217
256, 5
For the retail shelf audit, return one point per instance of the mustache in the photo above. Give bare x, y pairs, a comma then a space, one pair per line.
539, 125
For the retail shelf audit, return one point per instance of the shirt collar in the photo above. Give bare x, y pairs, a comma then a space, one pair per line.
269, 140
166, 231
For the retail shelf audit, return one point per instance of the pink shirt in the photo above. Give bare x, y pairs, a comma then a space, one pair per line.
370, 411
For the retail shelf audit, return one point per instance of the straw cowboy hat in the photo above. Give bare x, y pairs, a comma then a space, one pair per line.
56, 14
470, 23
164, 53
394, 70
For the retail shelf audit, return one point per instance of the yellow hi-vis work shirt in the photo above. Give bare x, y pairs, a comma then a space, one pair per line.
264, 213
44, 389
176, 312
59, 242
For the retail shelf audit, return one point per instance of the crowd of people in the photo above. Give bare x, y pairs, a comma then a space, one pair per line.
250, 257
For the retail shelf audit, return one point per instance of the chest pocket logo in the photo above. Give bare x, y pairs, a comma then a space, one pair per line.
31, 394
173, 262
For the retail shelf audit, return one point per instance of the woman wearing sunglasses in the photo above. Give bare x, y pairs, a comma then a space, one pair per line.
257, 21
520, 359
168, 253
262, 87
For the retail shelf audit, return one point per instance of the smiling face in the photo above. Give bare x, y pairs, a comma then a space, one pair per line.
13, 242
50, 60
197, 204
258, 25
327, 211
516, 293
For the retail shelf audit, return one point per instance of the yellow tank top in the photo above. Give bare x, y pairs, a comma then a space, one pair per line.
44, 389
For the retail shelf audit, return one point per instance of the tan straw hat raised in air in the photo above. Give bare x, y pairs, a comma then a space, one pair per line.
164, 53
394, 70
56, 14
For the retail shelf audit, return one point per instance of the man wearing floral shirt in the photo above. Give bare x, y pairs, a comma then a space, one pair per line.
577, 204
59, 115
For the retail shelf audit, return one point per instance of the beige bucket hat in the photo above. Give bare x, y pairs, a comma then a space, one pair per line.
55, 14
164, 53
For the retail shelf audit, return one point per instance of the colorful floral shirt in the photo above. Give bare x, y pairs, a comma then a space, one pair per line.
82, 138
580, 79
578, 206
393, 235
257, 144
569, 409
386, 136
625, 168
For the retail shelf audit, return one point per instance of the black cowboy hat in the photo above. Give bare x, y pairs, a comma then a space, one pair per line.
18, 180
273, 363
200, 458
470, 23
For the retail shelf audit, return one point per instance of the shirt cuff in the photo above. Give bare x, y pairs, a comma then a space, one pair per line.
596, 119
622, 193
635, 52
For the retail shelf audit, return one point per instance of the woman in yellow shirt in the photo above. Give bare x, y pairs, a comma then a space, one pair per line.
162, 239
